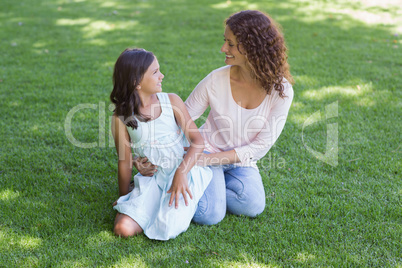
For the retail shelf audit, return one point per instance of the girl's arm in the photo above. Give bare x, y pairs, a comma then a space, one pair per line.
122, 143
183, 119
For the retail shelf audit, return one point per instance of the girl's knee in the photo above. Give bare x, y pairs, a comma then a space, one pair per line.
126, 227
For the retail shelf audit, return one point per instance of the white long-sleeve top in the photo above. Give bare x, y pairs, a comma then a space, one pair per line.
250, 132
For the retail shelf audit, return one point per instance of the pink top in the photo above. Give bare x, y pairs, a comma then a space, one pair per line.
250, 132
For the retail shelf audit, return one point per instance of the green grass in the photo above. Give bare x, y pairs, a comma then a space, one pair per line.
55, 198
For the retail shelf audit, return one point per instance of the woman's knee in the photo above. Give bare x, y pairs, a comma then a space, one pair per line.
210, 215
247, 207
257, 206
245, 193
212, 205
250, 202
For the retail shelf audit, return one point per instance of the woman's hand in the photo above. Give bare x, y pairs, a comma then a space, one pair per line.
179, 186
202, 160
216, 159
144, 167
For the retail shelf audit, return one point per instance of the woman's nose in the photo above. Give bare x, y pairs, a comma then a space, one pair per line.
224, 48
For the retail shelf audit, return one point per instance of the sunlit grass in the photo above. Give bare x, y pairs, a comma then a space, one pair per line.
236, 4
341, 92
80, 21
371, 12
9, 241
7, 195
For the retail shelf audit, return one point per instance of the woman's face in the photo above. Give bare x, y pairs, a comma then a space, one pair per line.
230, 48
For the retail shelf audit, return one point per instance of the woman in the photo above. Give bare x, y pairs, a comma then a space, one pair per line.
249, 99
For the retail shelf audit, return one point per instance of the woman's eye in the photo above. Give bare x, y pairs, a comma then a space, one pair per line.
231, 45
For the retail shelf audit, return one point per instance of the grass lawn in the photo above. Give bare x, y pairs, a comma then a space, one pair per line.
339, 209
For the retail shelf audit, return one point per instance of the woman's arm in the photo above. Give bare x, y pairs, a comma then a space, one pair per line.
217, 159
124, 165
198, 101
258, 147
183, 119
144, 167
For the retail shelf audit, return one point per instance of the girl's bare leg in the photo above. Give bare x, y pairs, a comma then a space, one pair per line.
125, 226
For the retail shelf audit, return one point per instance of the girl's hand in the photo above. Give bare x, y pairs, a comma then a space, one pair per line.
179, 186
144, 167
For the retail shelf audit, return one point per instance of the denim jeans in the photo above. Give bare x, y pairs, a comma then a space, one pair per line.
238, 190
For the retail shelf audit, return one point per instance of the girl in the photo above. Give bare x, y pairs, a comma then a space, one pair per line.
152, 124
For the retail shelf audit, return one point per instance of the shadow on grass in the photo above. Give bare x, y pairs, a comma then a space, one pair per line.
56, 199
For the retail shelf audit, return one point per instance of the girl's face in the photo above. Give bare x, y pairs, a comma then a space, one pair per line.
152, 81
233, 55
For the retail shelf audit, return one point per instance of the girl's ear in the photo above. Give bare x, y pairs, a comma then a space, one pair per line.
138, 87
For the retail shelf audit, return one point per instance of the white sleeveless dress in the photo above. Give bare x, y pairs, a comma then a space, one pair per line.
161, 141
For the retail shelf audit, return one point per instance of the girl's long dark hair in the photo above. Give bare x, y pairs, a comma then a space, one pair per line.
264, 47
129, 70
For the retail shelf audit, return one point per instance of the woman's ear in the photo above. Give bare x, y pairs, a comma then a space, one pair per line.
241, 49
138, 87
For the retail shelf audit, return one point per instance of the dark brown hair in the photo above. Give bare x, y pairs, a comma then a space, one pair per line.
264, 46
129, 70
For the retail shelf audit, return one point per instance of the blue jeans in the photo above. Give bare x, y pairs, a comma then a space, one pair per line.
238, 190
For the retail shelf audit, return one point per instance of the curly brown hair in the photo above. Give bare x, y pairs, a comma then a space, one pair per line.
264, 47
